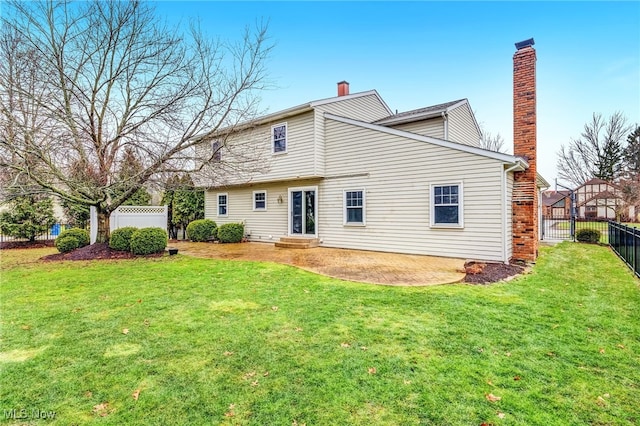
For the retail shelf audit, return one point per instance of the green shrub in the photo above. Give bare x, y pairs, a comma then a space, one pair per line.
231, 232
120, 239
80, 235
202, 230
66, 244
148, 240
588, 236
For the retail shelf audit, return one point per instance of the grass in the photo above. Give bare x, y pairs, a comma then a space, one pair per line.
221, 342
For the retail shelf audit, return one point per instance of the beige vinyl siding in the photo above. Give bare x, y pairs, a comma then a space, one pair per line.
364, 108
462, 127
396, 174
509, 227
433, 127
251, 158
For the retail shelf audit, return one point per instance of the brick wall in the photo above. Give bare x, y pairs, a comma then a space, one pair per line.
525, 194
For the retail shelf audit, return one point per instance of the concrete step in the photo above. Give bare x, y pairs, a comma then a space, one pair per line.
297, 242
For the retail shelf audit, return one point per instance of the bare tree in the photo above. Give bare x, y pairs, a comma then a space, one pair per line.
491, 142
598, 153
81, 83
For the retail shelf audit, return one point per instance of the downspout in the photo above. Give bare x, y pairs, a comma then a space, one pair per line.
445, 117
504, 211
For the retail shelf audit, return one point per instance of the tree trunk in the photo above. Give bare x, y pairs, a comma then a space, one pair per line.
103, 227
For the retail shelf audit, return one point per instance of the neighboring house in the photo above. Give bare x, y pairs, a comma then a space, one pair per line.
346, 172
599, 199
556, 203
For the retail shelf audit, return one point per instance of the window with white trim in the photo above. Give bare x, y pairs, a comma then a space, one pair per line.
446, 205
216, 151
279, 138
223, 200
354, 207
259, 200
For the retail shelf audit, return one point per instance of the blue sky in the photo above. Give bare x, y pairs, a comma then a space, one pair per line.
417, 54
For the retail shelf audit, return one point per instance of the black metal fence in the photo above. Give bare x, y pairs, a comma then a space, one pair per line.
51, 234
566, 228
625, 241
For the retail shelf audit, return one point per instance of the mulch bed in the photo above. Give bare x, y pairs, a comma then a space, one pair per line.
96, 251
7, 245
490, 272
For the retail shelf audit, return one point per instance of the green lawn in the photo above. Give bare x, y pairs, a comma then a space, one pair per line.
202, 342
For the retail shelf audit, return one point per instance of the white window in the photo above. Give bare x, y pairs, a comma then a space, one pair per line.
222, 204
354, 207
216, 151
446, 205
259, 200
279, 138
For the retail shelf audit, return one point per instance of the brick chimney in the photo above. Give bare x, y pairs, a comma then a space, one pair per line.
343, 88
525, 192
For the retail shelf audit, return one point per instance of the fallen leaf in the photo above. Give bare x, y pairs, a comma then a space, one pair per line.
295, 423
606, 395
364, 348
345, 345
136, 394
227, 353
146, 323
101, 409
407, 382
249, 375
516, 378
230, 413
372, 370
254, 383
274, 308
601, 350
480, 350
486, 424
600, 401
139, 300
125, 331
306, 291
551, 354
508, 354
621, 346
88, 394
491, 397
500, 415
266, 373
25, 327
298, 329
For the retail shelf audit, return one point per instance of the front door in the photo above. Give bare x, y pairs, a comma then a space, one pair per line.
303, 214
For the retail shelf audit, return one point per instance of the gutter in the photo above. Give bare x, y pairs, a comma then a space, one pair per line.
445, 118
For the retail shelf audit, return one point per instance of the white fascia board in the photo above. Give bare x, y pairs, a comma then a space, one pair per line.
506, 158
541, 181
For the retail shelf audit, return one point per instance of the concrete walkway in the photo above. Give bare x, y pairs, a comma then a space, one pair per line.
353, 265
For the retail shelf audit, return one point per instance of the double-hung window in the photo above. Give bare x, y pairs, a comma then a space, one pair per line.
259, 200
279, 138
446, 205
222, 204
354, 207
216, 151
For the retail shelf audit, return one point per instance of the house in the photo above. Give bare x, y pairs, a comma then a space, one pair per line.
556, 203
347, 172
599, 199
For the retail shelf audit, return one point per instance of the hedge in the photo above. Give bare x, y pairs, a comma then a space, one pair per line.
231, 233
148, 240
588, 236
120, 239
80, 235
202, 230
66, 244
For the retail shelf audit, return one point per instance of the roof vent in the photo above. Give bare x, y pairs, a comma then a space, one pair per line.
526, 43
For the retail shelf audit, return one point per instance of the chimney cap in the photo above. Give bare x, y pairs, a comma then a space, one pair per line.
343, 82
526, 43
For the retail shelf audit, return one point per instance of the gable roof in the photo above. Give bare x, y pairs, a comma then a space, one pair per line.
552, 197
289, 112
506, 158
421, 113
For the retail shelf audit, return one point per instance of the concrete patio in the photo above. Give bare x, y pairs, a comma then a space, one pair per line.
353, 265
